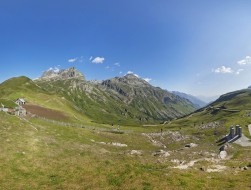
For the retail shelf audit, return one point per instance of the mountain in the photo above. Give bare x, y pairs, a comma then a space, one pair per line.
196, 101
39, 101
249, 87
13, 86
126, 99
238, 100
62, 74
229, 109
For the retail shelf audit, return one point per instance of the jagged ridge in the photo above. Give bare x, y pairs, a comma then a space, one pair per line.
125, 99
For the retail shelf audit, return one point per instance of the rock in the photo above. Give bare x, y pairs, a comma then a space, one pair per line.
119, 144
222, 148
175, 161
54, 74
114, 144
191, 145
216, 168
136, 152
223, 154
161, 153
203, 169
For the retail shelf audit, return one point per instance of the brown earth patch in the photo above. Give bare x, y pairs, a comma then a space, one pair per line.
45, 112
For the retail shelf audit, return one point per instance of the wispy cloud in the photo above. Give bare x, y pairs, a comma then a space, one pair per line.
147, 79
107, 67
90, 58
72, 60
239, 71
120, 72
54, 69
132, 73
117, 64
223, 70
245, 61
98, 60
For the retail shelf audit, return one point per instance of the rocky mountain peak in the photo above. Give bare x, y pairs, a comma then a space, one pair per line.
133, 79
63, 74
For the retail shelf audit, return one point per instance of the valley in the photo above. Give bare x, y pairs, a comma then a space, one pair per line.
120, 133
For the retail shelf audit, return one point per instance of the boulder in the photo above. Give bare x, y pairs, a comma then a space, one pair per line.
136, 152
191, 145
161, 153
223, 154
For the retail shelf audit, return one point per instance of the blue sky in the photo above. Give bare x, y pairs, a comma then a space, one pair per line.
196, 47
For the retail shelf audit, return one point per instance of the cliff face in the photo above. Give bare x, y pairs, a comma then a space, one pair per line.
63, 74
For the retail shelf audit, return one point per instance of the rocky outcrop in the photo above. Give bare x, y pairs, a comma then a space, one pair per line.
62, 74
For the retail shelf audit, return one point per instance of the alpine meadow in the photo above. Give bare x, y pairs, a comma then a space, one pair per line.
151, 95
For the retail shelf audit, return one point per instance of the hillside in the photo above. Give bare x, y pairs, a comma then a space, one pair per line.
239, 100
233, 108
127, 99
183, 154
42, 100
64, 149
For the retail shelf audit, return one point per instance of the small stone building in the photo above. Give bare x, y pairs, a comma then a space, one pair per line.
20, 111
20, 101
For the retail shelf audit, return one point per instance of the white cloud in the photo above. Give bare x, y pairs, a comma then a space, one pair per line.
245, 61
72, 60
147, 79
130, 72
90, 58
117, 64
120, 72
55, 69
98, 60
239, 71
107, 67
223, 70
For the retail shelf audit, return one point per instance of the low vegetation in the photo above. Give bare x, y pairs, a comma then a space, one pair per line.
56, 146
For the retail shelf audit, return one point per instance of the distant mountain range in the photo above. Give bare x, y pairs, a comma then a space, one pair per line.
128, 99
196, 101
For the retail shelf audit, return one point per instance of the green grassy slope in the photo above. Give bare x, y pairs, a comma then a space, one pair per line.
119, 103
39, 155
7, 103
230, 109
23, 87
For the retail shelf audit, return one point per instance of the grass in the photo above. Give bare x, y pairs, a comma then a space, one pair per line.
39, 154
7, 103
57, 157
